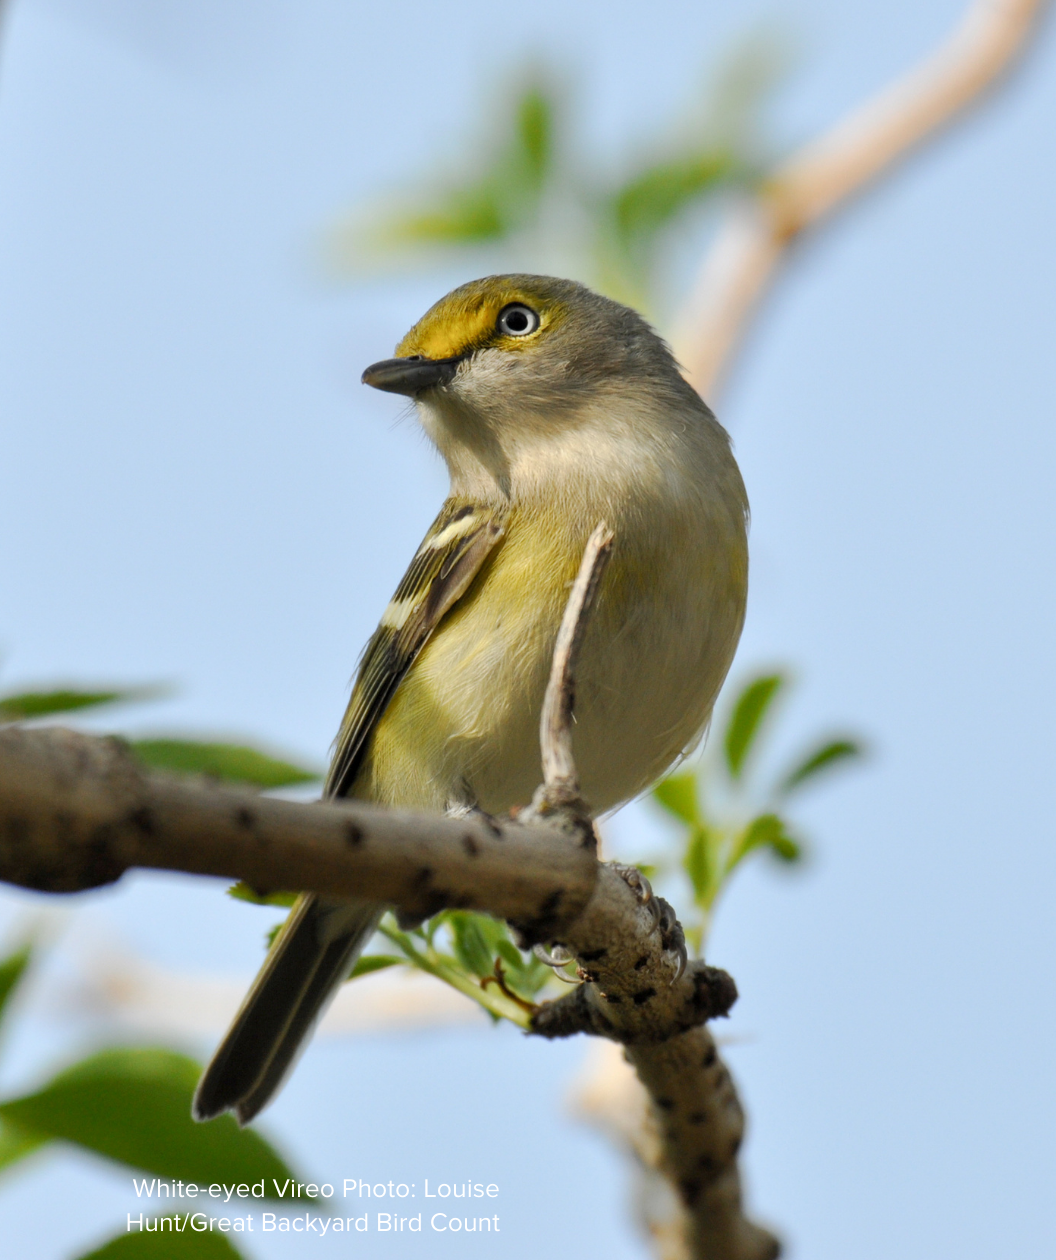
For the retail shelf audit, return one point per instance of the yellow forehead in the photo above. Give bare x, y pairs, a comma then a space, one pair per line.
465, 320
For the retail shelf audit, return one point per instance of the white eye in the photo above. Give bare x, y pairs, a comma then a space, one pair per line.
517, 320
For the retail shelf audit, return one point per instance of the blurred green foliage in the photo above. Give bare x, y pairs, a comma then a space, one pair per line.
165, 1246
728, 808
27, 705
132, 1106
540, 198
236, 763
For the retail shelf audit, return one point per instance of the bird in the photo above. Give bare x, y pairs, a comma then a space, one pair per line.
554, 408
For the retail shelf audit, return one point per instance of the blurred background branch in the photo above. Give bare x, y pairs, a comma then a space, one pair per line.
805, 189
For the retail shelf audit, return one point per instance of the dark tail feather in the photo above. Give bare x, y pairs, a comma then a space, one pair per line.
311, 956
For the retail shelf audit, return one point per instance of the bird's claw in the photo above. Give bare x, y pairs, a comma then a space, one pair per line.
672, 940
557, 961
642, 889
665, 921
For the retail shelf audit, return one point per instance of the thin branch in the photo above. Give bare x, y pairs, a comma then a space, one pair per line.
560, 778
630, 995
827, 172
77, 811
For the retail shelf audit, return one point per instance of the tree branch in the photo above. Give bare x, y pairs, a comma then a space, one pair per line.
76, 811
824, 174
630, 994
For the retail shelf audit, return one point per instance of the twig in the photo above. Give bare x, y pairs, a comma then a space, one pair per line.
76, 811
499, 977
560, 778
827, 172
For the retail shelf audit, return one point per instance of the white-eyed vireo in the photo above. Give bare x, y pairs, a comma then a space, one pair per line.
554, 408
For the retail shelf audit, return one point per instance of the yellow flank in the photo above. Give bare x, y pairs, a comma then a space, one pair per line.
465, 320
463, 724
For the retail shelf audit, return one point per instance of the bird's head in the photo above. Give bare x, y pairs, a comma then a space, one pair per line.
505, 364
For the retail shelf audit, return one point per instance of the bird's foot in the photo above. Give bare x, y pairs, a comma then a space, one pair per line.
665, 921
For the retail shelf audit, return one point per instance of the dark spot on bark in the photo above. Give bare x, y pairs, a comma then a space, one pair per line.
643, 995
245, 818
591, 977
614, 998
641, 962
143, 820
709, 1057
707, 1164
690, 1190
422, 876
97, 864
697, 1117
430, 905
470, 845
354, 834
666, 1104
594, 954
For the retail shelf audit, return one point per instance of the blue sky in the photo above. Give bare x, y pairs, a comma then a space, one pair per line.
197, 489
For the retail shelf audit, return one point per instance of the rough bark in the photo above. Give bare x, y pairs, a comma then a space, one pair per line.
629, 956
76, 812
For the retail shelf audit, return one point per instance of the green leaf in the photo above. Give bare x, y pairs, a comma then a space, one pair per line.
822, 758
785, 848
37, 704
649, 202
678, 795
698, 863
462, 216
12, 971
748, 713
472, 947
499, 197
769, 831
242, 892
374, 962
167, 1244
134, 1106
233, 762
534, 128
16, 1143
510, 954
